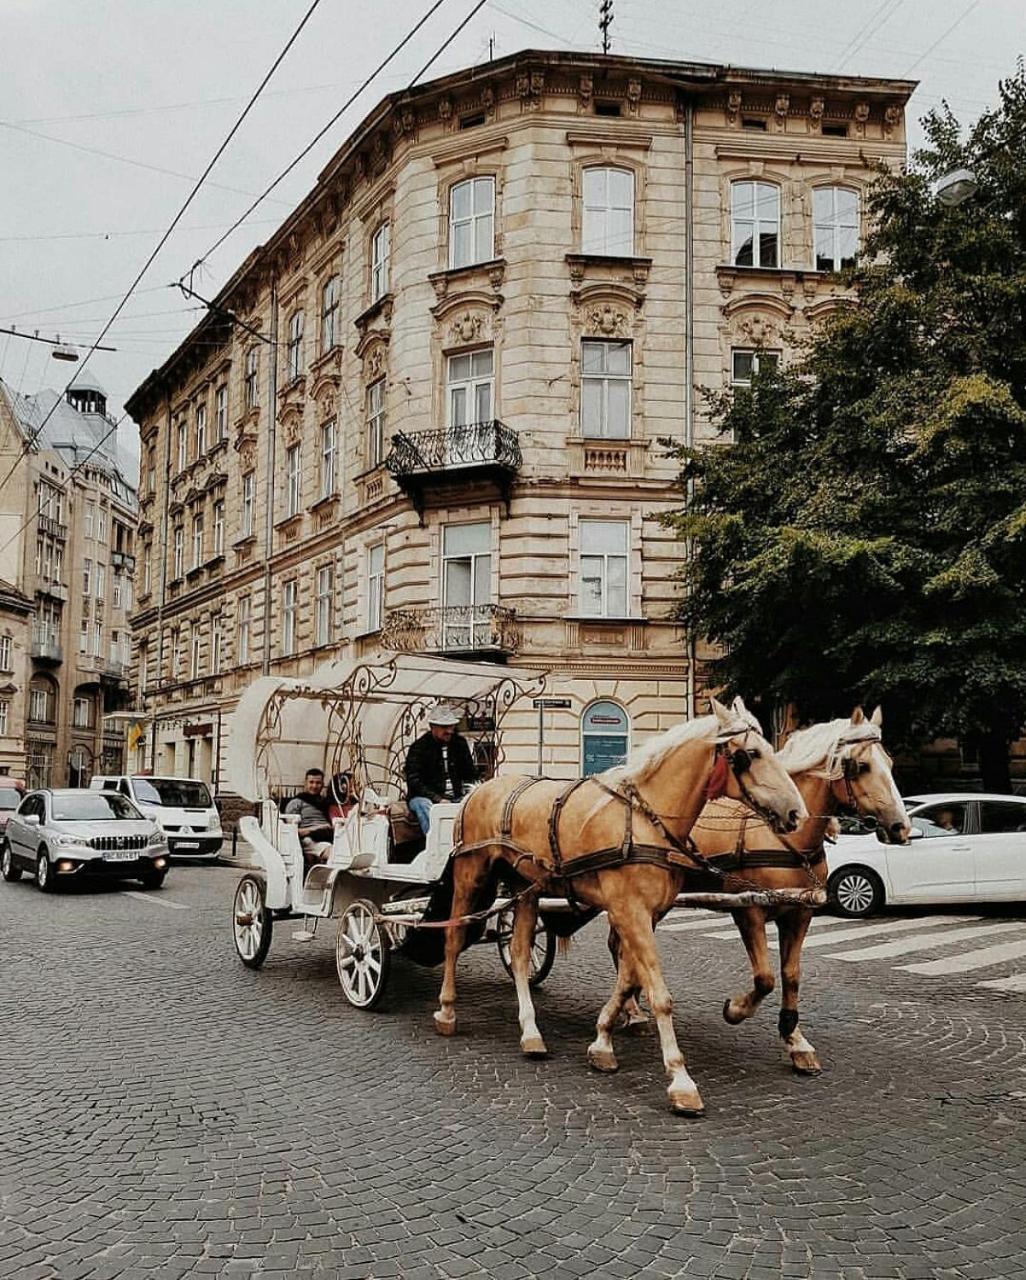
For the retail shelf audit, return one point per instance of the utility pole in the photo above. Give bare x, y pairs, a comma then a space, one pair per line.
605, 22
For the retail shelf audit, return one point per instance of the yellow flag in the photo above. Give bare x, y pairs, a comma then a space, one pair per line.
135, 736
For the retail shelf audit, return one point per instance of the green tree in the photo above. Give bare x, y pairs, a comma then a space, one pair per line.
863, 538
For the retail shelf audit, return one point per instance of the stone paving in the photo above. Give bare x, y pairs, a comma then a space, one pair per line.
165, 1113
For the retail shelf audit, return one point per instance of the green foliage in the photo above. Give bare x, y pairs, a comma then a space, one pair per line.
863, 538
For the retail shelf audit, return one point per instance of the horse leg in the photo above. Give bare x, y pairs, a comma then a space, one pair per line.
636, 1017
600, 1052
469, 874
638, 938
751, 923
525, 918
792, 927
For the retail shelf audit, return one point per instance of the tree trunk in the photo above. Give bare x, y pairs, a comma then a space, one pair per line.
994, 761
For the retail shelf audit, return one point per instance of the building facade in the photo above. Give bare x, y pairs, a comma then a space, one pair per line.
67, 544
427, 415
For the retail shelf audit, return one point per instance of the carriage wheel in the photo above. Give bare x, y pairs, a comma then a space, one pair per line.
252, 923
543, 947
362, 955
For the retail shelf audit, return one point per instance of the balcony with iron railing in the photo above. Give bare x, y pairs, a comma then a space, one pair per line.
426, 463
459, 630
55, 528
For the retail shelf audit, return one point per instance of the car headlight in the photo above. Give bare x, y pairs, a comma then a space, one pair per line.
157, 838
68, 842
215, 822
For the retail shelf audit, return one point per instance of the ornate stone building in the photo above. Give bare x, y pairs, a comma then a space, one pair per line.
427, 414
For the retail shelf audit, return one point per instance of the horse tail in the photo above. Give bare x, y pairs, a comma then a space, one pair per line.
563, 945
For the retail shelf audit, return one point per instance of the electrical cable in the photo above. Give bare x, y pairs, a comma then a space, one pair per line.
446, 43
30, 440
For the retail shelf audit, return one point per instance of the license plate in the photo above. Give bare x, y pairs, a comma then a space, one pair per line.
186, 844
120, 855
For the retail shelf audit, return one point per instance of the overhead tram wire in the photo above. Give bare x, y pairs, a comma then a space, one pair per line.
30, 440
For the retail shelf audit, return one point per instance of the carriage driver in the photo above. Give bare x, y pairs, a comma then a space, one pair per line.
438, 765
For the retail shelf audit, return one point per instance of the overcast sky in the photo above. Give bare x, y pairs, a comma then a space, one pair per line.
108, 109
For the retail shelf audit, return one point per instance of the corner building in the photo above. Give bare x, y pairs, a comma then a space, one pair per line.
427, 414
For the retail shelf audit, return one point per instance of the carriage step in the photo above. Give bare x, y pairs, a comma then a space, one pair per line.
305, 935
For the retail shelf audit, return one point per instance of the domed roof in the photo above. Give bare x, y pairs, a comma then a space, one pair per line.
86, 382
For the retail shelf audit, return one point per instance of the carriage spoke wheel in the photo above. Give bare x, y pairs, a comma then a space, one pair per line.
543, 947
251, 922
362, 955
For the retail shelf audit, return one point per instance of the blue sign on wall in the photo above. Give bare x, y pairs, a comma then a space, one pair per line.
604, 737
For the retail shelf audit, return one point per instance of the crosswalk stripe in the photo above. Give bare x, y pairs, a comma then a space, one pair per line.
854, 932
1014, 982
978, 959
681, 922
925, 942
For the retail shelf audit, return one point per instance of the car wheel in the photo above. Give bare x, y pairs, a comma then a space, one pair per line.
857, 891
46, 880
152, 879
8, 867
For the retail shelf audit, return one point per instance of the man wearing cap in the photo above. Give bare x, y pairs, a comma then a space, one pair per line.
438, 765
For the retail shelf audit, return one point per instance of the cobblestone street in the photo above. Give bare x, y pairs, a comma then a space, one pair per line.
168, 1113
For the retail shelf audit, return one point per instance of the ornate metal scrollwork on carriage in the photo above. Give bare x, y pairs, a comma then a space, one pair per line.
453, 629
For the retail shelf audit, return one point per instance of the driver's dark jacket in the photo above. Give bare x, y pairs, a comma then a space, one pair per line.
425, 775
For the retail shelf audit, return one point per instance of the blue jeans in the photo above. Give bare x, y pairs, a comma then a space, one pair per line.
420, 807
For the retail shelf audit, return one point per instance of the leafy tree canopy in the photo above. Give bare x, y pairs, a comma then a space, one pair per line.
864, 536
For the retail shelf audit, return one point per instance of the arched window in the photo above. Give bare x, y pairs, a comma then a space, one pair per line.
605, 737
835, 227
608, 222
754, 224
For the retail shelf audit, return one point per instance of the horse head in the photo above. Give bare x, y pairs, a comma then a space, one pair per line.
861, 778
754, 775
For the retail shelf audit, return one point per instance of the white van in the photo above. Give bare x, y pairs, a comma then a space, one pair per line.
182, 807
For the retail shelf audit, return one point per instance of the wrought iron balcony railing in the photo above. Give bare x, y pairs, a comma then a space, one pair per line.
418, 458
46, 647
452, 629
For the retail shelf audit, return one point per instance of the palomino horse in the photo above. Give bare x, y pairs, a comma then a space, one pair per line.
626, 830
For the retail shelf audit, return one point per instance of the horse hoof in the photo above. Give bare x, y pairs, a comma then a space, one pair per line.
687, 1104
806, 1064
729, 1015
602, 1060
533, 1047
444, 1025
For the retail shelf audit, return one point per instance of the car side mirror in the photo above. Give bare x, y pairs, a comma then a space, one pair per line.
31, 819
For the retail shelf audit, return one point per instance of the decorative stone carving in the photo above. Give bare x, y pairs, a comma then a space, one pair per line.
488, 97
759, 331
445, 109
607, 322
292, 428
734, 100
816, 108
861, 112
782, 105
465, 329
633, 95
892, 118
577, 272
529, 87
374, 363
585, 89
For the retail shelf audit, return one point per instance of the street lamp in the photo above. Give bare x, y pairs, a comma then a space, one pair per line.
952, 189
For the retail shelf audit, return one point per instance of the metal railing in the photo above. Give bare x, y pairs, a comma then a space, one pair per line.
477, 444
46, 646
478, 628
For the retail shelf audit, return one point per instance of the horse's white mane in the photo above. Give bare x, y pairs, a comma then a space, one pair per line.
820, 748
650, 755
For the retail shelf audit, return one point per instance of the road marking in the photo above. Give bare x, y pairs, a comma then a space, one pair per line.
853, 932
159, 902
978, 959
1014, 982
924, 942
677, 923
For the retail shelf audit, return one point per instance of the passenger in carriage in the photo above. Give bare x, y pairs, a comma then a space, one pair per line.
439, 766
315, 830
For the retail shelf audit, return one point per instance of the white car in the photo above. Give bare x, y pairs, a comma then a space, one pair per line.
965, 847
183, 807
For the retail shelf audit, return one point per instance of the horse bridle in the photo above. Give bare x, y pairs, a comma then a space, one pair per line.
739, 760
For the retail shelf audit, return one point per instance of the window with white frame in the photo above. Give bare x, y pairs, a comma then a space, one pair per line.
83, 636
178, 556
248, 503
87, 577
88, 518
376, 422
101, 525
251, 377
101, 581
466, 585
219, 527
201, 430
329, 314
745, 363
470, 385
126, 593
176, 653
195, 650
381, 251
835, 227
289, 597
329, 450
183, 445
605, 551
83, 713
147, 568
375, 586
294, 346
144, 666
606, 390
6, 653
608, 214
42, 701
221, 412
325, 593
472, 222
115, 590
215, 643
58, 562
755, 224
197, 541
97, 638
242, 630
293, 480
5, 710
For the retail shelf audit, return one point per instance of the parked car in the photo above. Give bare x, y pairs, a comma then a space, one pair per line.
965, 847
183, 807
72, 833
12, 792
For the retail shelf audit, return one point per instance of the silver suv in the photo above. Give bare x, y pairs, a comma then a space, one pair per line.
68, 834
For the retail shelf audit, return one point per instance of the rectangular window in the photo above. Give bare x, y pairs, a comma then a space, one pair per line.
219, 528
375, 586
470, 384
97, 638
248, 503
755, 224
6, 651
116, 590
194, 660
183, 445
221, 412
5, 708
294, 348
604, 554
126, 595
324, 602
329, 442
329, 315
81, 713
608, 222
178, 563
38, 706
87, 577
101, 581
293, 480
466, 585
197, 541
144, 667
101, 525
747, 361
251, 377
472, 222
90, 516
58, 562
176, 653
242, 625
201, 430
147, 569
288, 617
83, 636
376, 422
606, 390
835, 227
215, 643
381, 249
